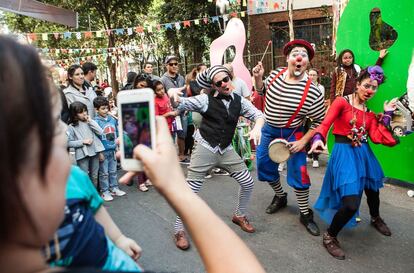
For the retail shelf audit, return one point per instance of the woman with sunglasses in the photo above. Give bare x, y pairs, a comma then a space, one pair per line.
221, 109
352, 166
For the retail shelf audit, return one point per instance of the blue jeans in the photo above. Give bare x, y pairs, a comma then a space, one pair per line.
108, 172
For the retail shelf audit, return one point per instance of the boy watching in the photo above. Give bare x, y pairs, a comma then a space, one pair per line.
108, 164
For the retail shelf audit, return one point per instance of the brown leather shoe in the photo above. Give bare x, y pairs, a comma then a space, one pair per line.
332, 245
381, 226
181, 240
243, 223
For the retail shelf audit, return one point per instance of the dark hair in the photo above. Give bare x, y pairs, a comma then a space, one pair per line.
131, 75
25, 118
74, 109
155, 84
100, 101
88, 66
142, 77
145, 64
71, 72
339, 59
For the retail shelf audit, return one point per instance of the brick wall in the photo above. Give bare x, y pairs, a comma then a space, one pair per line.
260, 33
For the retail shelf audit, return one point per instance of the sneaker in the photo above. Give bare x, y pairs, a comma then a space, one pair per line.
281, 167
208, 176
219, 171
148, 183
315, 164
142, 187
185, 161
106, 196
117, 192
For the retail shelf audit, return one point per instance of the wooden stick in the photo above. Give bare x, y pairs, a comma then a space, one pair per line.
267, 47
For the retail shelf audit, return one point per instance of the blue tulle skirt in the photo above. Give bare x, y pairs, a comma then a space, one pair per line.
350, 170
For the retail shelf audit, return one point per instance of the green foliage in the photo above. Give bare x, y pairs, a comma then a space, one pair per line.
195, 39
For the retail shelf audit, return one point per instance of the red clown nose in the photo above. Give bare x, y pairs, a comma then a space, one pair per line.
299, 58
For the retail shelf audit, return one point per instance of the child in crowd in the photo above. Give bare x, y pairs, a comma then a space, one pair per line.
108, 166
163, 105
87, 236
83, 136
113, 110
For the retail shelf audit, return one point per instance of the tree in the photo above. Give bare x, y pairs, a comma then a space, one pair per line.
195, 39
101, 14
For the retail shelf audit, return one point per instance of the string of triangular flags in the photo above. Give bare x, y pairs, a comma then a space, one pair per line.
89, 50
131, 30
72, 60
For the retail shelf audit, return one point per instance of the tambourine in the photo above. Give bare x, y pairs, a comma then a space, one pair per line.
279, 150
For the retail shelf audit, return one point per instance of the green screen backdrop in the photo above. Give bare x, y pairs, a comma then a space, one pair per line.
353, 33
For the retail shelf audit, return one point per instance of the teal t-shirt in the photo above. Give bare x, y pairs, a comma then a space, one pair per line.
79, 186
80, 239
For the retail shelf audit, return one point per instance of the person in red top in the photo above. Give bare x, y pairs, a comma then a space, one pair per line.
163, 105
353, 167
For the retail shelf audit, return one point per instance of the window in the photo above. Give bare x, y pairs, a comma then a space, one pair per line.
316, 30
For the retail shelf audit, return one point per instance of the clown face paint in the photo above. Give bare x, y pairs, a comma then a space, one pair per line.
298, 61
367, 89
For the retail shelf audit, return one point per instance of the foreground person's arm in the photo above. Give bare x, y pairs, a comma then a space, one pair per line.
220, 248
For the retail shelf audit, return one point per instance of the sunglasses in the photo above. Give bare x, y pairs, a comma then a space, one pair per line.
173, 64
219, 83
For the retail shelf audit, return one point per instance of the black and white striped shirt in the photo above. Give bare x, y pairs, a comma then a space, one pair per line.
282, 100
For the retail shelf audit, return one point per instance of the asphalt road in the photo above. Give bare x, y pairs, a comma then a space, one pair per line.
281, 243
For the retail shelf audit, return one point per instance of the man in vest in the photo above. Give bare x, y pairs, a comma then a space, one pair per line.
220, 110
290, 97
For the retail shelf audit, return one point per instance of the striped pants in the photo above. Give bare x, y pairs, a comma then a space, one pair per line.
246, 183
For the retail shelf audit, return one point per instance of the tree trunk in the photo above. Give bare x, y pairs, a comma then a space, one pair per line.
112, 66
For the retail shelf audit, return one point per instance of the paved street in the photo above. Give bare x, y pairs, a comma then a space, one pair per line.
281, 243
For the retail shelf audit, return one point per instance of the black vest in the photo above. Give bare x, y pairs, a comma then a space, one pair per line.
218, 125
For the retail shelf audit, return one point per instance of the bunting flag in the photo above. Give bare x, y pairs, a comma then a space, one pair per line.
137, 29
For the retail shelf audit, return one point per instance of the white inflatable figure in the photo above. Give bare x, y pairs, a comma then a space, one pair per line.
234, 35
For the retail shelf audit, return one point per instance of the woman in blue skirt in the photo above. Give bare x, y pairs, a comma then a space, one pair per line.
352, 167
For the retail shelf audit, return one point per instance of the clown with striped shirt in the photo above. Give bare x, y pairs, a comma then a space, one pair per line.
290, 97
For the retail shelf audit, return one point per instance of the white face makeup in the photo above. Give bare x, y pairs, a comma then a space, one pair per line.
298, 60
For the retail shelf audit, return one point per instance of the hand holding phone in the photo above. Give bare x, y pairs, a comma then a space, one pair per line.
136, 124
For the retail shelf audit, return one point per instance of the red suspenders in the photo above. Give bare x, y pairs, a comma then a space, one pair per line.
302, 101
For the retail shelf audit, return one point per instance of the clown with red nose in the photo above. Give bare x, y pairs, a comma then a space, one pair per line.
290, 97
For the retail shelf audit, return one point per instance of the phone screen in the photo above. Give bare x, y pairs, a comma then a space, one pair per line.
136, 126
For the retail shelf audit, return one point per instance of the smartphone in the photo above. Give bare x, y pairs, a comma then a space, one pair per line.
136, 124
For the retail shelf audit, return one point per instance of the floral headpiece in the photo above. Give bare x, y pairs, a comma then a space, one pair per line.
376, 74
